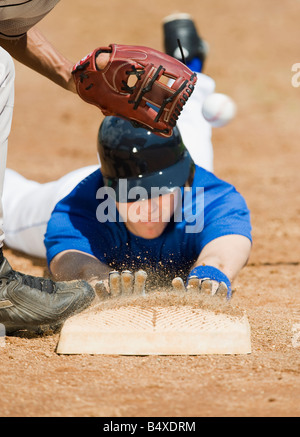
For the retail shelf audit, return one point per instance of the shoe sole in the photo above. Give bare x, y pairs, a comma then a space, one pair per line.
177, 16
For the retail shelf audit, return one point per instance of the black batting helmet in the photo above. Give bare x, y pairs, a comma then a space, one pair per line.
141, 157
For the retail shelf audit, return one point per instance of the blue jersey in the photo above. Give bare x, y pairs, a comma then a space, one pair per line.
213, 208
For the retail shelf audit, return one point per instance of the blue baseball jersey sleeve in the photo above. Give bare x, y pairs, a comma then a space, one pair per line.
211, 208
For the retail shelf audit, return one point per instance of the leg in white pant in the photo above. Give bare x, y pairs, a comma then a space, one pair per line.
196, 132
7, 75
28, 206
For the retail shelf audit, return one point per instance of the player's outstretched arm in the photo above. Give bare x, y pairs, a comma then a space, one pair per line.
217, 266
228, 253
103, 78
37, 53
72, 264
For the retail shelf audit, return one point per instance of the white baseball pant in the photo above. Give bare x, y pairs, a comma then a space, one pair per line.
196, 132
28, 206
7, 76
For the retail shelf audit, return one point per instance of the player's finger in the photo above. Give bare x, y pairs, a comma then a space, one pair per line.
101, 290
222, 289
206, 286
193, 283
126, 282
114, 280
178, 284
140, 282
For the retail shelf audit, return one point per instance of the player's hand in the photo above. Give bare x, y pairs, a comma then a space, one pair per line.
205, 279
205, 286
125, 283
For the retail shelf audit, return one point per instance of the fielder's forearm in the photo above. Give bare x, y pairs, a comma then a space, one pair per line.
34, 51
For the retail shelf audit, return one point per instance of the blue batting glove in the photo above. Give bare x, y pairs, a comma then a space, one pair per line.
205, 279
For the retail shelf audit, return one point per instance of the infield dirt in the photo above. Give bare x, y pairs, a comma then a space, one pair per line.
253, 46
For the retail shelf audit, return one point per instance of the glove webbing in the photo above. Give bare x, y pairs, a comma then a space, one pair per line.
138, 74
147, 88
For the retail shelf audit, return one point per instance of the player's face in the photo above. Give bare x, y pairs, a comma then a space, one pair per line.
149, 218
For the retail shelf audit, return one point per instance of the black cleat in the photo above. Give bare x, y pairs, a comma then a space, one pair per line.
28, 302
181, 27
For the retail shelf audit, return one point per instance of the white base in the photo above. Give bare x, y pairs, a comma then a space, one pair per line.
134, 330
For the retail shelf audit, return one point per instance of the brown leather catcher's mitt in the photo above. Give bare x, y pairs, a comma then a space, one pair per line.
141, 84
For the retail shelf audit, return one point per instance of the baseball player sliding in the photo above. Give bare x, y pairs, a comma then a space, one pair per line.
118, 79
149, 209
